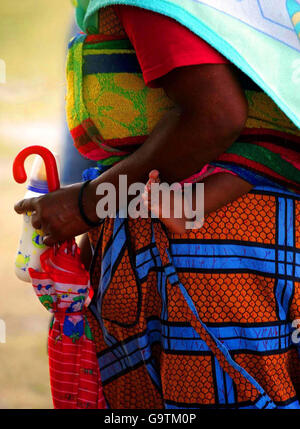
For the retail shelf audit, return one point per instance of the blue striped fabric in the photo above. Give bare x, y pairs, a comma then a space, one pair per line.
110, 63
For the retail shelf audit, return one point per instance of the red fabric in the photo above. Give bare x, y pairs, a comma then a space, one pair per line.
74, 370
63, 287
162, 44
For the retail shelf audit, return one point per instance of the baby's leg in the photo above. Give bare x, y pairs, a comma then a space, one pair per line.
219, 190
155, 205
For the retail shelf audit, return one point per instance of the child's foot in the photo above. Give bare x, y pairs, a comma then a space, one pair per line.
154, 207
174, 224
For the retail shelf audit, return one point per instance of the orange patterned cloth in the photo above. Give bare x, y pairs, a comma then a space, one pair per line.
202, 320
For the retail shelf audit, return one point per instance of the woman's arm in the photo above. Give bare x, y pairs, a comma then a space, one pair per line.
210, 113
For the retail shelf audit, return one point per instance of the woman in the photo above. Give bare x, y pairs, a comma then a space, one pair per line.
202, 319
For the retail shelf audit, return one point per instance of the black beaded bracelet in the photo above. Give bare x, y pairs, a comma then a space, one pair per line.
81, 209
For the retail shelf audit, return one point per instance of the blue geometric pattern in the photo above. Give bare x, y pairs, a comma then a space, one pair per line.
280, 260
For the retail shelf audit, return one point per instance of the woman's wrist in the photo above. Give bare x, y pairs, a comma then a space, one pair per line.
89, 202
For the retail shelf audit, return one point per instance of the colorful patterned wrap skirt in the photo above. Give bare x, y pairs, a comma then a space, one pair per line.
202, 320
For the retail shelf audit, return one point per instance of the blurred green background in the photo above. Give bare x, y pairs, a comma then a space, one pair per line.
33, 39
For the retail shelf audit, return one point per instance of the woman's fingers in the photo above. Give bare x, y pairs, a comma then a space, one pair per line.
32, 206
56, 214
24, 206
36, 220
49, 241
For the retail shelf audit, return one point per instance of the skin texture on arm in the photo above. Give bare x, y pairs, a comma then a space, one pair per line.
210, 113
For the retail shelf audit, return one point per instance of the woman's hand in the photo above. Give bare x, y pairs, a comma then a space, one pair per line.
57, 213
